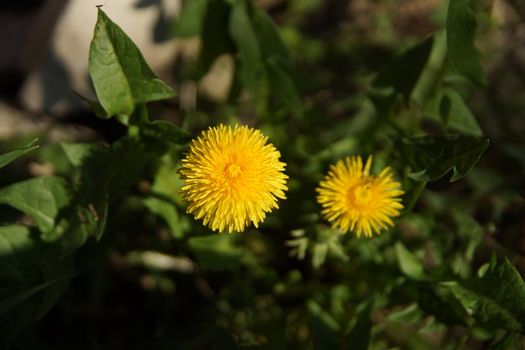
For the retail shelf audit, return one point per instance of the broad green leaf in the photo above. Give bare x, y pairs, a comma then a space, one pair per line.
253, 71
121, 77
40, 197
7, 158
409, 264
189, 22
462, 56
217, 251
324, 328
401, 74
432, 157
449, 108
497, 299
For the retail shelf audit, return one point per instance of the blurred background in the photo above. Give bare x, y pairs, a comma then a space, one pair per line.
145, 285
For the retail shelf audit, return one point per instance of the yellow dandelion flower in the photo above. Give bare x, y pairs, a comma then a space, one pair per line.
354, 200
232, 177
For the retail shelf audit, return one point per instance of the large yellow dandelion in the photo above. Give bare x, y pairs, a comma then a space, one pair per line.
232, 177
354, 200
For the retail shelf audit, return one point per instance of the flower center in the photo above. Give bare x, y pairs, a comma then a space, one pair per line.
232, 170
360, 195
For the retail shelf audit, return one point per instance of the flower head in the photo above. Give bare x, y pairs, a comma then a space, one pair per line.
354, 200
232, 177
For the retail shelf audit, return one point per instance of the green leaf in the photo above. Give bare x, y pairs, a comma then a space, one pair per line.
106, 173
268, 37
432, 157
161, 201
40, 197
7, 158
409, 264
253, 71
163, 131
17, 256
217, 251
462, 56
6, 305
440, 305
215, 36
402, 73
449, 107
284, 88
497, 299
359, 337
189, 22
121, 77
325, 329
32, 280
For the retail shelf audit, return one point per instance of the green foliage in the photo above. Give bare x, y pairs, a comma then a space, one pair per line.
121, 76
106, 237
462, 55
433, 157
7, 158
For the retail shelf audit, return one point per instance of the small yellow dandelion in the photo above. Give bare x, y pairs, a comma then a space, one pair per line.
352, 199
232, 177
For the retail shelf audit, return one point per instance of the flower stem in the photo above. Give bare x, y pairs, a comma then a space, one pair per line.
414, 195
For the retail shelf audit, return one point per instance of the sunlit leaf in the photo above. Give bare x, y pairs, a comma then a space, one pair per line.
7, 158
121, 77
40, 197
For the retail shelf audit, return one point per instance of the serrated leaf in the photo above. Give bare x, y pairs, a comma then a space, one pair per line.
430, 158
497, 299
121, 77
164, 131
402, 73
462, 55
8, 157
40, 197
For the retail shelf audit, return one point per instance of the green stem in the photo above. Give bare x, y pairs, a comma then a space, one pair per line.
414, 196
